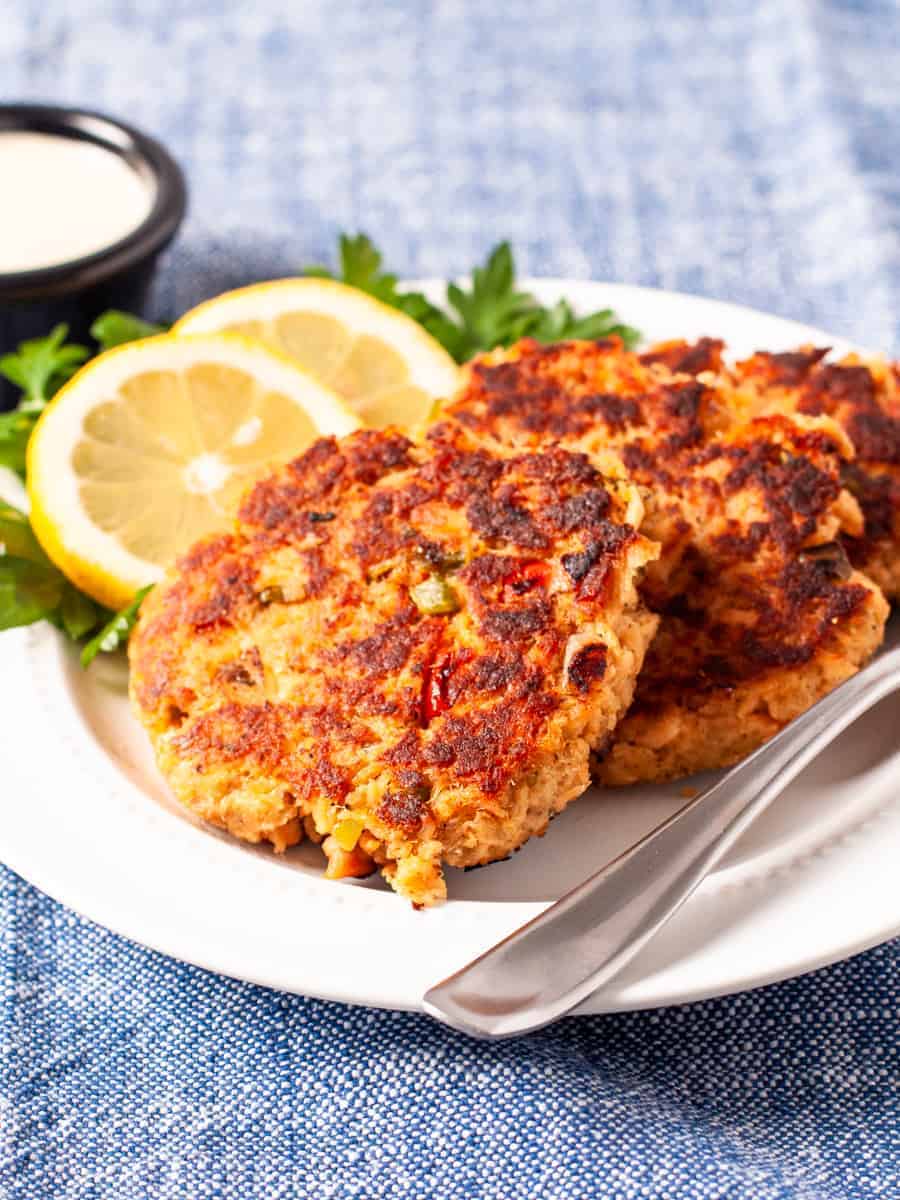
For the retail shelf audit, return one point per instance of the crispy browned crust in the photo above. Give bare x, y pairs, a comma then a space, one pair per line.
592, 394
737, 503
863, 396
289, 682
687, 358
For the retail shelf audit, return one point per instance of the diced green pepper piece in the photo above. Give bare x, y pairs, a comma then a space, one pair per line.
434, 597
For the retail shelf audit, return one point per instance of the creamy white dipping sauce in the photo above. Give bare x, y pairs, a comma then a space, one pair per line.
62, 198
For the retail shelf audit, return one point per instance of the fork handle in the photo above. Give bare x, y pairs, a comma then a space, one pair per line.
548, 966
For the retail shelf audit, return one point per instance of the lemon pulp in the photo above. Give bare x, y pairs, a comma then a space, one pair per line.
164, 461
371, 376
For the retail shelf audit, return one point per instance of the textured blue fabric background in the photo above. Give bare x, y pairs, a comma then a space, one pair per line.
745, 151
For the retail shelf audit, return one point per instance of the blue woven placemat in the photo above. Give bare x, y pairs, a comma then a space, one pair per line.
747, 152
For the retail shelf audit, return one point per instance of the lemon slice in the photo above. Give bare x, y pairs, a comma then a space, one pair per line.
151, 445
387, 368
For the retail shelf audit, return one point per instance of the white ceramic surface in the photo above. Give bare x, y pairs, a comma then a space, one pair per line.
85, 816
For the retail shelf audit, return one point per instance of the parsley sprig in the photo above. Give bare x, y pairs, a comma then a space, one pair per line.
490, 311
114, 328
117, 630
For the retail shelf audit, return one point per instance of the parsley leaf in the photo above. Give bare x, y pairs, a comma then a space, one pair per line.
29, 592
492, 312
15, 430
360, 268
78, 614
116, 632
559, 323
489, 312
17, 538
441, 327
115, 328
41, 366
32, 588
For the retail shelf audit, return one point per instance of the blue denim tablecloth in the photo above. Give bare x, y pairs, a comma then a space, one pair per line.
745, 151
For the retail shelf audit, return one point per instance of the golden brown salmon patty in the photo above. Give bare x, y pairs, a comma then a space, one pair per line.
864, 398
407, 651
770, 618
761, 614
862, 395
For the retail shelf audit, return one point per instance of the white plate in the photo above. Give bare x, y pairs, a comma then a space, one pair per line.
85, 817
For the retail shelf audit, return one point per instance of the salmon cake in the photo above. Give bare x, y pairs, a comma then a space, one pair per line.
862, 395
403, 652
762, 614
771, 614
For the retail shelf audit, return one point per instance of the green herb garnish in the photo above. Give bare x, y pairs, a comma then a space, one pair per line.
32, 588
15, 430
41, 366
116, 632
115, 328
490, 312
560, 324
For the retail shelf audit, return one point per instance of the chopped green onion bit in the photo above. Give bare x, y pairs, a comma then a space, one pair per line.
434, 597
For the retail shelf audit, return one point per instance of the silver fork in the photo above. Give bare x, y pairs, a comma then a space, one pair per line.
546, 968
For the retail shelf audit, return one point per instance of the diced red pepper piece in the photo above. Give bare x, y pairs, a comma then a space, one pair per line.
525, 576
435, 687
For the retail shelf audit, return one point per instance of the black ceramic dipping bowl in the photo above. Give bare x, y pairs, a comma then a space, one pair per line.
32, 302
